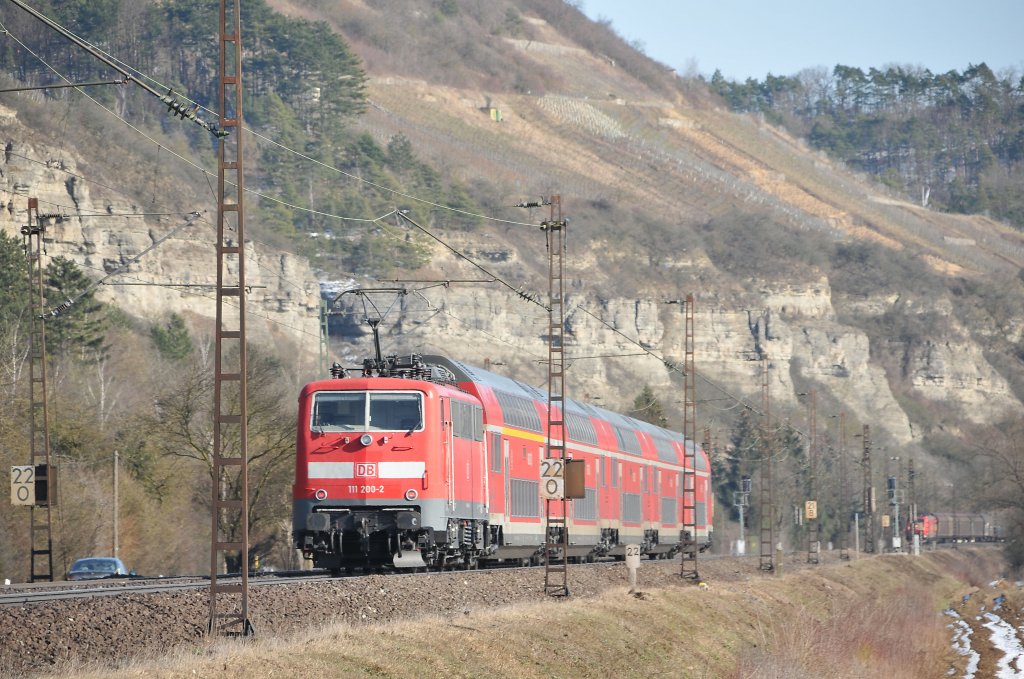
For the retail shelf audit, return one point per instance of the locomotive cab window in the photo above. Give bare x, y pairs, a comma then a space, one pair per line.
401, 411
367, 411
338, 411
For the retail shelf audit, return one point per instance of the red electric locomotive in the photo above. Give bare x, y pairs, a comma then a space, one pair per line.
431, 462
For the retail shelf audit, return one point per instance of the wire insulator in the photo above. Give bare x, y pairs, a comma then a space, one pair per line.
61, 308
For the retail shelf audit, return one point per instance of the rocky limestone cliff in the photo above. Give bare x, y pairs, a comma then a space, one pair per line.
615, 346
101, 230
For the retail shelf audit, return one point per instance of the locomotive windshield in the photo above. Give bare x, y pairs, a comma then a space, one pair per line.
335, 411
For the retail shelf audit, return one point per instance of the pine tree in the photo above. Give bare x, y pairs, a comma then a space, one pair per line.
172, 339
78, 331
648, 408
13, 279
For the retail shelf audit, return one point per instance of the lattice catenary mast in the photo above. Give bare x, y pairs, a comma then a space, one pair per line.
869, 494
767, 537
811, 510
229, 601
689, 494
40, 520
844, 494
556, 571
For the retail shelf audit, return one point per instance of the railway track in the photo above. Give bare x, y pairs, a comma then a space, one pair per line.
20, 595
24, 594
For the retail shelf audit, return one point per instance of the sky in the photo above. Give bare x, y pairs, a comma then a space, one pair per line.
751, 38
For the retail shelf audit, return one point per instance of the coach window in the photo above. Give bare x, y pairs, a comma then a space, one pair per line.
496, 452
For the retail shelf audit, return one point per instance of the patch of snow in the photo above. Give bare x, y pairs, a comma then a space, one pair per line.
962, 644
1004, 637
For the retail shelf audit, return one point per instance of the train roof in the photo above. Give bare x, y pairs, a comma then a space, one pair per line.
465, 372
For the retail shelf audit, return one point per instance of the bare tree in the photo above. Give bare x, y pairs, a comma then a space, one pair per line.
1001, 483
181, 427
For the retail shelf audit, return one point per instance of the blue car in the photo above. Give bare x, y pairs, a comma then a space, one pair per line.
97, 567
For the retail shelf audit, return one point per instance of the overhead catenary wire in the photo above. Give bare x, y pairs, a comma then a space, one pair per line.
172, 286
432, 307
181, 109
158, 214
65, 86
530, 297
109, 214
68, 210
70, 301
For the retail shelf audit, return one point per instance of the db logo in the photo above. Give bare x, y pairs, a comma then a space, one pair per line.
366, 469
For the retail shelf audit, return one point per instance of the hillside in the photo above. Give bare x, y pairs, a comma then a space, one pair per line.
899, 317
902, 317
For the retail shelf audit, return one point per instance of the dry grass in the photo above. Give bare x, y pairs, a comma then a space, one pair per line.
858, 639
844, 620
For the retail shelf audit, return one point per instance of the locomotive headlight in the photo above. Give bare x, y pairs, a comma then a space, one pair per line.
411, 494
366, 439
320, 494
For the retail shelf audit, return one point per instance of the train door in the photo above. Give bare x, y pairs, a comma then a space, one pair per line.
485, 440
507, 479
449, 451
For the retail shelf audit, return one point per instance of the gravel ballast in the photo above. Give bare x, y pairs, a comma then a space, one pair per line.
45, 636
